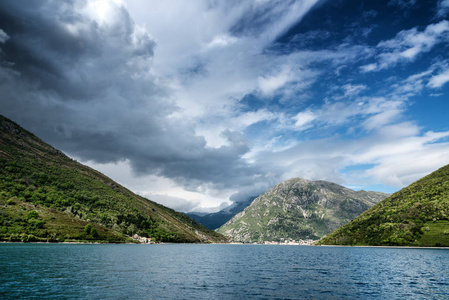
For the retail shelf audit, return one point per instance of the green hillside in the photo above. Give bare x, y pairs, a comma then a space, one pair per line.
47, 196
418, 215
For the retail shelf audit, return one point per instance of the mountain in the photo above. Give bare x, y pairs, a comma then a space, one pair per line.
47, 196
298, 209
215, 220
417, 215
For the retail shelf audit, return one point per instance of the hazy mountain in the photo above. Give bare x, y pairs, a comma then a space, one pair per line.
215, 220
417, 215
46, 196
298, 209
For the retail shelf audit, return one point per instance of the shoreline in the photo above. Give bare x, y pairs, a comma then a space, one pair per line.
232, 243
397, 247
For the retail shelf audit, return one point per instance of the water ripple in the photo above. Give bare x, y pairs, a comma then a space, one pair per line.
221, 272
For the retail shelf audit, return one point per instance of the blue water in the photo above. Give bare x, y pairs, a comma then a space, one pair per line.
221, 272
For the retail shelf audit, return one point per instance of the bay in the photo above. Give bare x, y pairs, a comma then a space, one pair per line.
172, 271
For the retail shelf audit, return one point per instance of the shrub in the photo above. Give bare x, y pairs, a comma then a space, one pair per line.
32, 215
88, 229
94, 232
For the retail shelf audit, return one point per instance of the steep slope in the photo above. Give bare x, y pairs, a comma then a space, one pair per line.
215, 220
417, 215
298, 209
46, 196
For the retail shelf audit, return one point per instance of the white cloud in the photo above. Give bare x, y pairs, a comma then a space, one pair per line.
381, 119
439, 80
443, 8
162, 190
269, 84
392, 160
3, 36
304, 119
369, 68
349, 90
352, 90
247, 119
222, 41
408, 44
394, 155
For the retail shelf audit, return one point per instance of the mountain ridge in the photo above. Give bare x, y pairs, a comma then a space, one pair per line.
298, 209
217, 219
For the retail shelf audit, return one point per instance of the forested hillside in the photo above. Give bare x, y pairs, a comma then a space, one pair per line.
417, 215
47, 196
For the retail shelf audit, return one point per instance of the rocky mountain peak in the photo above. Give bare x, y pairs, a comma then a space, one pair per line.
298, 209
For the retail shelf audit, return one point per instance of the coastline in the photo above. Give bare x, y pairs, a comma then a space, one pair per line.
231, 243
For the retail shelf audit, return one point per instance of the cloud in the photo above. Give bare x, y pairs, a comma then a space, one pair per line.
304, 118
270, 84
349, 90
439, 80
408, 45
369, 68
3, 36
403, 4
390, 158
387, 152
443, 8
191, 103
92, 83
222, 41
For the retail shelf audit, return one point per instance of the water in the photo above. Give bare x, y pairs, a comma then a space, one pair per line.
221, 272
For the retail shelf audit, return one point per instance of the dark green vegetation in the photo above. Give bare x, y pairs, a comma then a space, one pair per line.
298, 209
46, 196
417, 215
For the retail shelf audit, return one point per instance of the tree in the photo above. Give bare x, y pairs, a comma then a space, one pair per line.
88, 229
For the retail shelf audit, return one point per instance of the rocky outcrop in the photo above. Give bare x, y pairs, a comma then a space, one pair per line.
298, 209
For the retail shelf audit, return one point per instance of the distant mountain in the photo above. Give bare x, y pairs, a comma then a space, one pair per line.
46, 196
417, 215
215, 220
298, 209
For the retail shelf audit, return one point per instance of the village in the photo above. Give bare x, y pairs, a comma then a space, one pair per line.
291, 242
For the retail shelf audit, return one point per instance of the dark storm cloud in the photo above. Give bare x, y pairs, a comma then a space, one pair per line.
86, 87
195, 163
41, 48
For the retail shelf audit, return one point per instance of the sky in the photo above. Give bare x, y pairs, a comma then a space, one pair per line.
199, 104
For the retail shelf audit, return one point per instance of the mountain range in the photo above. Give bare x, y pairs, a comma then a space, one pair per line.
298, 209
47, 196
217, 219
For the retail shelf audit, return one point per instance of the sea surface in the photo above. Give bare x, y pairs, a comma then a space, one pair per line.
170, 271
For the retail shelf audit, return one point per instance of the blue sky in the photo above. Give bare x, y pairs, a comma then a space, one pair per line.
196, 104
